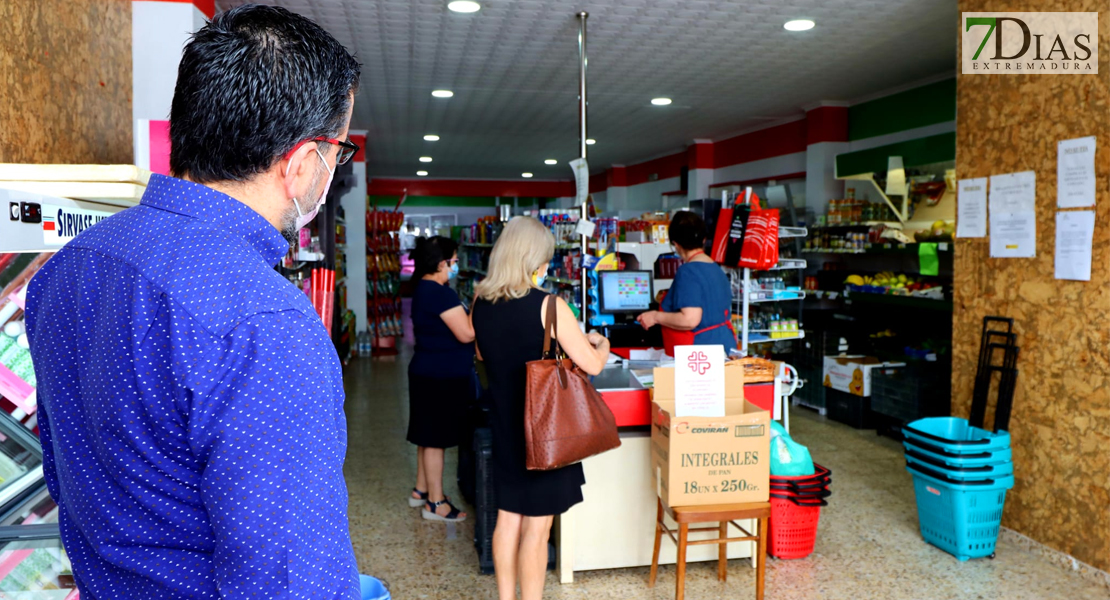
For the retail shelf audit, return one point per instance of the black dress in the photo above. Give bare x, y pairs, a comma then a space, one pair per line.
441, 374
509, 334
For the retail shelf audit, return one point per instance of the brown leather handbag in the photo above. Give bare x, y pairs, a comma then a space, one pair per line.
565, 419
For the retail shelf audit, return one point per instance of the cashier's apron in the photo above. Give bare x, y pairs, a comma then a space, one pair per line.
674, 337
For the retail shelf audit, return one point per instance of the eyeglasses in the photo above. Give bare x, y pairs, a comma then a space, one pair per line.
347, 149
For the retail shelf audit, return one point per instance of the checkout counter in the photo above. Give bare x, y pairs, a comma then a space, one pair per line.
614, 526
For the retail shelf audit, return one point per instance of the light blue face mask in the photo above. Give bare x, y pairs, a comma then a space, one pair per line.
538, 278
453, 271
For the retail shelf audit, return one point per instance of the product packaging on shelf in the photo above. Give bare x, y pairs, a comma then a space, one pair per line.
852, 374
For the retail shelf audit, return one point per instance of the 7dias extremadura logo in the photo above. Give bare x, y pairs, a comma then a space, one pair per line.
1030, 43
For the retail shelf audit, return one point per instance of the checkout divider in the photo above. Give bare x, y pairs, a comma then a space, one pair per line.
614, 526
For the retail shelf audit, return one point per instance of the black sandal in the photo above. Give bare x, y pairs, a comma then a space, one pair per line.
430, 513
418, 502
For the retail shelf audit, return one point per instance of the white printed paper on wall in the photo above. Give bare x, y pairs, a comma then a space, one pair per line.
1075, 232
971, 202
699, 381
1075, 173
1013, 215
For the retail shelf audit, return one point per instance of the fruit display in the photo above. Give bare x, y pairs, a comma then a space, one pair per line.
940, 231
896, 284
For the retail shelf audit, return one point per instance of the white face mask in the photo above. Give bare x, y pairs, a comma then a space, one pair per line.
304, 218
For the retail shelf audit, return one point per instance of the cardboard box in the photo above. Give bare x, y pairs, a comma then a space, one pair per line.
710, 460
852, 374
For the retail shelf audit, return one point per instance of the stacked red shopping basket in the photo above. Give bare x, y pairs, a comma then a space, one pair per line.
795, 511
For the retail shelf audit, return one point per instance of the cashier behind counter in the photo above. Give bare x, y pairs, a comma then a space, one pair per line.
698, 307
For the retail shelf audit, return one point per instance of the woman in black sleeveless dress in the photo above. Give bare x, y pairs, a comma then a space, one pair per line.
508, 319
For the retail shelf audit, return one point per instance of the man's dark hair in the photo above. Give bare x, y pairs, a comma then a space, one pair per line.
429, 252
254, 82
687, 229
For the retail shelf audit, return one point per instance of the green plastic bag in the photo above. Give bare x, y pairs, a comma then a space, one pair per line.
789, 458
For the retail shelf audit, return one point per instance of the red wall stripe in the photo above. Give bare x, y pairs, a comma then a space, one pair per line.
665, 167
470, 187
617, 177
779, 140
359, 156
208, 7
700, 156
799, 175
827, 124
598, 182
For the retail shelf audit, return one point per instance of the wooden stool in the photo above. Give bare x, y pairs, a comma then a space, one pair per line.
723, 514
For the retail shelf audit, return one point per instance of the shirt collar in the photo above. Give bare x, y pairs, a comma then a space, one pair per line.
204, 203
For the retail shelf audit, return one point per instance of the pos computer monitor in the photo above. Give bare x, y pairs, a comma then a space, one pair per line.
624, 291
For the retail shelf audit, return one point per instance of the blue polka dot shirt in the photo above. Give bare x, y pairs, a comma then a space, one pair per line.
190, 407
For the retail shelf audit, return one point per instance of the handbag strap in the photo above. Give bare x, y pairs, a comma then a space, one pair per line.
549, 330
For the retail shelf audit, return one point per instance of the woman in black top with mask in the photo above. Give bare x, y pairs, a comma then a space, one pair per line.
441, 383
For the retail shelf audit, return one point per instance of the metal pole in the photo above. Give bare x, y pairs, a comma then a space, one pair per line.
582, 16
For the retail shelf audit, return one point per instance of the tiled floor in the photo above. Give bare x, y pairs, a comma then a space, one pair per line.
868, 545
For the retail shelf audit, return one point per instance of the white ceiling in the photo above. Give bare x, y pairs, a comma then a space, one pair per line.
728, 65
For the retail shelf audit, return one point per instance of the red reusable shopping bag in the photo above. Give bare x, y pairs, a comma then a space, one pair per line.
720, 236
761, 237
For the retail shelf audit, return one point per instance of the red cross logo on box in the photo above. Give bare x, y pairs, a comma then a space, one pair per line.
699, 362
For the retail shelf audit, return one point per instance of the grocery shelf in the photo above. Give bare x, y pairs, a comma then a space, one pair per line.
763, 340
787, 264
891, 224
477, 271
309, 256
472, 245
792, 232
881, 248
753, 297
902, 301
341, 281
562, 281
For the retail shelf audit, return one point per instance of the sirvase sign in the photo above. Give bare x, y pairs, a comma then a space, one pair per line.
1029, 43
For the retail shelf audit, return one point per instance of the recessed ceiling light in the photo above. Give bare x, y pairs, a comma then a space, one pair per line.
590, 141
798, 25
660, 101
526, 175
550, 161
425, 159
431, 138
464, 6
421, 173
442, 93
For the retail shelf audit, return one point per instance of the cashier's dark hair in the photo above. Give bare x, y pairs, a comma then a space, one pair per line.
687, 229
429, 252
252, 83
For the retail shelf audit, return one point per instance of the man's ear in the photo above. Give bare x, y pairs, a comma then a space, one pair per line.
298, 169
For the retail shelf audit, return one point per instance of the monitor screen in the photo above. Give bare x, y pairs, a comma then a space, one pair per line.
624, 291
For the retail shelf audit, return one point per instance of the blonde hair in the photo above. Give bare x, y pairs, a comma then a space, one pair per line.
524, 246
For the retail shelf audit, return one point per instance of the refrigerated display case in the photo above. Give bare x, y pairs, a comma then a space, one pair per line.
33, 564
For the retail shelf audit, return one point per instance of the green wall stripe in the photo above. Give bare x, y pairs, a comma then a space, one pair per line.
922, 151
926, 105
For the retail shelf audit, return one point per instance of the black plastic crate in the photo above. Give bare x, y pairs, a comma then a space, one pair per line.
819, 344
917, 390
485, 496
485, 505
812, 394
849, 409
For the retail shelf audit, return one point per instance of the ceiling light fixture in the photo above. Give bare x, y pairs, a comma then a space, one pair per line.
464, 6
431, 137
421, 173
442, 93
798, 25
551, 161
526, 175
660, 101
425, 159
590, 141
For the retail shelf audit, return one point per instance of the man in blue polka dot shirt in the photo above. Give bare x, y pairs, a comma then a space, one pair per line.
190, 400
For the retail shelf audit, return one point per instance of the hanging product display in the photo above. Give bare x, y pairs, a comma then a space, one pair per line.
383, 276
